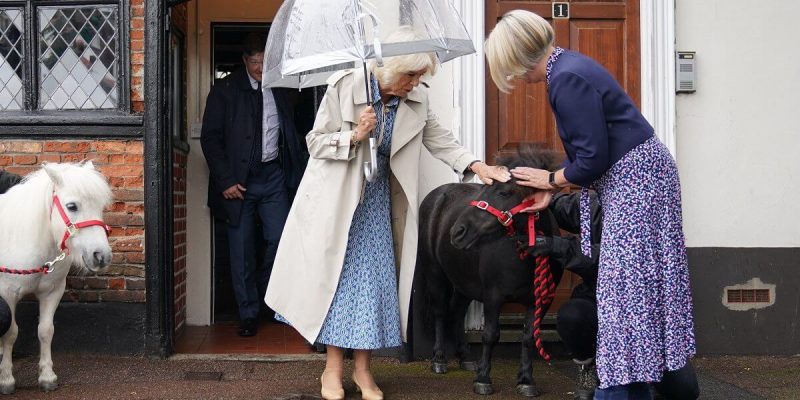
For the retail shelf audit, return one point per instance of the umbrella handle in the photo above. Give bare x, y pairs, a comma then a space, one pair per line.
371, 166
367, 83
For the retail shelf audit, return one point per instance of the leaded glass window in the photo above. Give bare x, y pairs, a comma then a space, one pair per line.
12, 93
76, 63
77, 57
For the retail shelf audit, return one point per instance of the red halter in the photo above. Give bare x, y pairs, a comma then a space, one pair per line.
506, 218
544, 287
74, 228
71, 229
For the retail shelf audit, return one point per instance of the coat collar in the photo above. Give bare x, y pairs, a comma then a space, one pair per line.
411, 115
241, 79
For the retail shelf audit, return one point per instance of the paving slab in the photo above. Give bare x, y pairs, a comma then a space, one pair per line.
83, 376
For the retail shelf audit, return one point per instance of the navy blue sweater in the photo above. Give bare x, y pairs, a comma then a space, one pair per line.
597, 121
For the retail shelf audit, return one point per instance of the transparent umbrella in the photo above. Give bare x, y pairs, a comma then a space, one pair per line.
311, 39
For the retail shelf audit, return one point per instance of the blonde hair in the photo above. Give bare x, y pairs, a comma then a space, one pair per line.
518, 42
394, 67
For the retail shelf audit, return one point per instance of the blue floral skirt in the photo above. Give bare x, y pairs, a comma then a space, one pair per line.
365, 312
644, 300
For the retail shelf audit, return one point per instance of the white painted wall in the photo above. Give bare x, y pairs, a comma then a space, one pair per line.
738, 136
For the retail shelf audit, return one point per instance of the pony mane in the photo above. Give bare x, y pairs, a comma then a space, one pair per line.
88, 183
533, 155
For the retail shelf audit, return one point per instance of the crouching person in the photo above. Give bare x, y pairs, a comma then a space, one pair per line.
577, 318
7, 180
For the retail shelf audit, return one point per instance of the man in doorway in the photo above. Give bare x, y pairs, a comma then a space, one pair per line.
255, 160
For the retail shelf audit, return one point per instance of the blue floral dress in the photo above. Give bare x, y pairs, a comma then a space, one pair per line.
365, 312
644, 302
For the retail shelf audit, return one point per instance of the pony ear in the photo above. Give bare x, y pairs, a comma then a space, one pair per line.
89, 165
54, 175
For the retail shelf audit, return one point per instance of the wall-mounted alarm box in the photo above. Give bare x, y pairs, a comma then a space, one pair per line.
685, 77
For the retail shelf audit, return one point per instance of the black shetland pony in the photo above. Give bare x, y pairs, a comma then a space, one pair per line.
467, 253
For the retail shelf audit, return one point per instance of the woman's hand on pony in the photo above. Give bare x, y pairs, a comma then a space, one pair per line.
490, 173
532, 177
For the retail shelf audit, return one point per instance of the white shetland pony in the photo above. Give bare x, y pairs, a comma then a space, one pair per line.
50, 221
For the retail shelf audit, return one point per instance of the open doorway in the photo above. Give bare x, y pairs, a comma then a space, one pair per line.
215, 34
226, 57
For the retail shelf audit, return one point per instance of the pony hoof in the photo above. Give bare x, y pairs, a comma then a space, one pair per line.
468, 365
7, 389
528, 390
48, 386
482, 388
439, 367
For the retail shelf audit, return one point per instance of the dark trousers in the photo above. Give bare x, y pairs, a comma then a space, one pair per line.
577, 326
631, 391
266, 196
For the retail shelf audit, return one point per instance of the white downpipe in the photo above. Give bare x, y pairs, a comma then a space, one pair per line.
470, 101
657, 19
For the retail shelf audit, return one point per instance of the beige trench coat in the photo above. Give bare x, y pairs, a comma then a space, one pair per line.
312, 248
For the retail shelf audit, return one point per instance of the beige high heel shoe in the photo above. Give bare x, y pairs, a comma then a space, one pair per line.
368, 393
328, 393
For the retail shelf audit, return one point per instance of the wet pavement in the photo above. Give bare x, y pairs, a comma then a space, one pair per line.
253, 377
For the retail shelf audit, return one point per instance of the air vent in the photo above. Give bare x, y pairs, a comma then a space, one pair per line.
748, 296
751, 295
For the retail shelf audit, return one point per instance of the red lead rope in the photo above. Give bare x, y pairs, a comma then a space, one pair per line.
544, 287
40, 270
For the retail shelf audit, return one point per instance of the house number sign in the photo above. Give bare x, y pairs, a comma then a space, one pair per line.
560, 10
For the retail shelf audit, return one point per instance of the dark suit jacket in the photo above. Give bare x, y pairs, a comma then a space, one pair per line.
7, 180
231, 122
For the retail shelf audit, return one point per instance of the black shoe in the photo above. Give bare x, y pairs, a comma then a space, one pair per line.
587, 380
248, 327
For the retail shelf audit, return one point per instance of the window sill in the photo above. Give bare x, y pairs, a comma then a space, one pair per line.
82, 118
70, 124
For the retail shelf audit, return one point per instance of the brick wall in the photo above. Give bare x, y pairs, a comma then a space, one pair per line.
179, 164
137, 56
121, 161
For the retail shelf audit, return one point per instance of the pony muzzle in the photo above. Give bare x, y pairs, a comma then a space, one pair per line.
97, 259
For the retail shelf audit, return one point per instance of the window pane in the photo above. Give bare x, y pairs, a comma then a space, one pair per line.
12, 95
78, 57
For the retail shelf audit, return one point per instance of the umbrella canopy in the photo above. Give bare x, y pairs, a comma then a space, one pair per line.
311, 39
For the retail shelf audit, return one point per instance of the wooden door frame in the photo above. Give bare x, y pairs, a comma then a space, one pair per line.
159, 298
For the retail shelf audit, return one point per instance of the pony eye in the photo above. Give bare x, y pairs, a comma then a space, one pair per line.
72, 207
